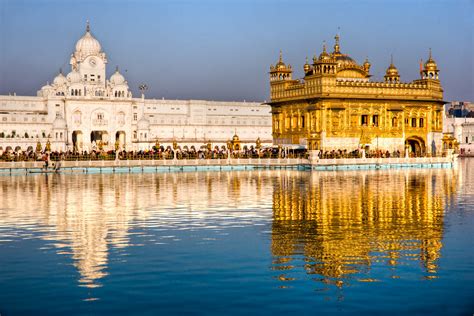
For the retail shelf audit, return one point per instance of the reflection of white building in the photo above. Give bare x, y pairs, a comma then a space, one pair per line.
84, 107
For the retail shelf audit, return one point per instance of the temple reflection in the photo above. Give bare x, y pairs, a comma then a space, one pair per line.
88, 216
346, 223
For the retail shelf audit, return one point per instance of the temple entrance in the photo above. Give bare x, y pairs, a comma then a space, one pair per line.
77, 141
99, 139
416, 146
120, 140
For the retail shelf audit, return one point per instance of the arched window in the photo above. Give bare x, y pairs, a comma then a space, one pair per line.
394, 122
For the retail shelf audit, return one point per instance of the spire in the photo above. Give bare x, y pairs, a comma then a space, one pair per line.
430, 52
336, 45
116, 69
391, 59
324, 46
61, 71
367, 64
88, 28
281, 57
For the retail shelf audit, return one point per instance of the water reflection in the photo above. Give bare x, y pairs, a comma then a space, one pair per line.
345, 224
86, 216
334, 227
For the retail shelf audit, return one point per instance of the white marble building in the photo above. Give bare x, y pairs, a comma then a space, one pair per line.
461, 128
84, 107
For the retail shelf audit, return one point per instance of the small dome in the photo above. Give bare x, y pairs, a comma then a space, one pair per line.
392, 70
280, 64
87, 44
431, 65
74, 77
59, 123
143, 123
342, 59
46, 87
117, 78
60, 79
324, 56
235, 137
306, 66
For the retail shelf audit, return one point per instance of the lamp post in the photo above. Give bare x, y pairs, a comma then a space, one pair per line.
143, 87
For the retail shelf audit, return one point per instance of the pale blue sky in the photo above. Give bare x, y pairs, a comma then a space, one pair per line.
222, 50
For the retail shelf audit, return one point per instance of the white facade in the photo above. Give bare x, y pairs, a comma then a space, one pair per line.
462, 129
82, 108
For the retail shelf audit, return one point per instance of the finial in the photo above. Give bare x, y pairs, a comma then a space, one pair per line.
336, 45
306, 59
281, 57
430, 52
324, 46
88, 28
391, 59
116, 69
61, 71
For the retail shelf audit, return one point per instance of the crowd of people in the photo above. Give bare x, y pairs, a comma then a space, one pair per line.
192, 153
155, 153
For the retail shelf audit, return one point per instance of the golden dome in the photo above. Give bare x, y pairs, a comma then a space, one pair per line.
392, 70
431, 64
324, 55
340, 58
280, 63
306, 66
235, 137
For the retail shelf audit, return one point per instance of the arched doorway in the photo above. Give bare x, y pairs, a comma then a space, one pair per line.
77, 141
120, 139
416, 145
99, 139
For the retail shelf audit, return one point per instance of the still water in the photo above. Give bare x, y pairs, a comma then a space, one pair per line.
249, 242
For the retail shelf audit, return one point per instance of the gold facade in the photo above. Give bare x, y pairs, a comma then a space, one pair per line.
336, 106
344, 224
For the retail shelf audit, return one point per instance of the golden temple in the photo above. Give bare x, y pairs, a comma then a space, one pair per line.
336, 106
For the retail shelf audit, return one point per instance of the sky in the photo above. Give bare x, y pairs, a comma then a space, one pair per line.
222, 50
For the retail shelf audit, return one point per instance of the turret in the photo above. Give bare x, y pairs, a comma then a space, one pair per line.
325, 64
391, 75
430, 69
280, 71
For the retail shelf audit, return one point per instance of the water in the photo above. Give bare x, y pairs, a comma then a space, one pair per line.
221, 243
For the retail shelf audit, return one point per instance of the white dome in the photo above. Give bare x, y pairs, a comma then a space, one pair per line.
87, 44
46, 87
59, 123
143, 123
117, 78
74, 77
60, 79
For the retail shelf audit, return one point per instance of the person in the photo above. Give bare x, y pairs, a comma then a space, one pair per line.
46, 161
